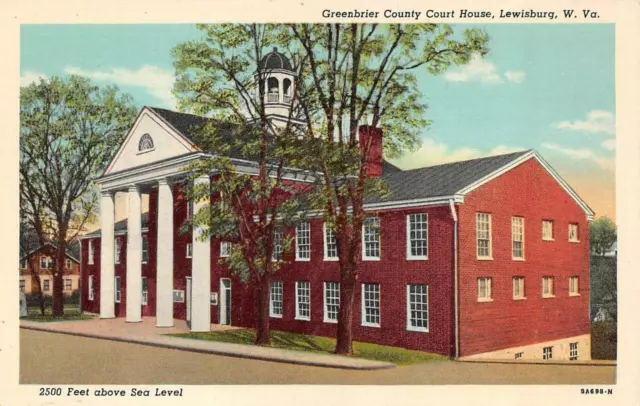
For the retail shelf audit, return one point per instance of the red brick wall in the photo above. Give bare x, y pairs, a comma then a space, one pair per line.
91, 306
530, 192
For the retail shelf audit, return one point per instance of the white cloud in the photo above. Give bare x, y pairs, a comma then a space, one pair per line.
514, 76
157, 81
583, 154
609, 144
597, 121
484, 71
435, 153
29, 77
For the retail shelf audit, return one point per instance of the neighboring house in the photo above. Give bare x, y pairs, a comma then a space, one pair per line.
487, 257
41, 260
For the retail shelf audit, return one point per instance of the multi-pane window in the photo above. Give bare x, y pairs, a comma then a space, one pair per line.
44, 262
22, 285
45, 285
24, 264
330, 245
371, 305
67, 284
547, 286
573, 232
275, 299
547, 353
189, 210
573, 351
547, 230
68, 264
371, 238
484, 289
517, 237
417, 308
225, 249
118, 289
116, 250
145, 291
278, 249
483, 235
331, 301
518, 287
303, 292
189, 252
91, 287
90, 259
145, 249
417, 240
303, 242
574, 286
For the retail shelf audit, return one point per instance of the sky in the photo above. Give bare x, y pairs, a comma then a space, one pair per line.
550, 87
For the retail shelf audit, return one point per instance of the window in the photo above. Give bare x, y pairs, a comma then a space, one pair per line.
517, 237
303, 242
573, 351
547, 353
90, 260
417, 308
519, 355
225, 249
145, 291
145, 250
91, 287
370, 305
518, 288
189, 252
68, 284
145, 143
483, 235
68, 264
277, 245
22, 285
547, 230
45, 285
275, 302
178, 296
417, 240
371, 238
574, 286
116, 250
302, 301
330, 245
189, 210
44, 262
331, 301
24, 264
484, 289
547, 286
118, 291
573, 233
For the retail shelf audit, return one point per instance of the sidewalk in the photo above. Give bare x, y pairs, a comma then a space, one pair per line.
146, 333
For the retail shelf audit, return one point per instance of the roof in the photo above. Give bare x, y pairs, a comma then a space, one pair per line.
275, 60
73, 250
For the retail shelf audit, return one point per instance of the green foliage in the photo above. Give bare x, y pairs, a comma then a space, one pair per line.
602, 234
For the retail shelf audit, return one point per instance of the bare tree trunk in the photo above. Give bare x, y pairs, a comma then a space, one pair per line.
37, 283
345, 315
263, 332
57, 303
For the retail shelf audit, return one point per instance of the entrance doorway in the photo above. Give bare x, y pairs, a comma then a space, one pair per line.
225, 301
188, 300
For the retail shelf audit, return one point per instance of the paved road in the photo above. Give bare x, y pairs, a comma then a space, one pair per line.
48, 358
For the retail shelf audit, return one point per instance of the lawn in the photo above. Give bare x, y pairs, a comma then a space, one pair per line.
71, 312
325, 345
604, 340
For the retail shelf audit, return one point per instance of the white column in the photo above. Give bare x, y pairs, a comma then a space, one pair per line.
107, 269
201, 272
164, 266
134, 257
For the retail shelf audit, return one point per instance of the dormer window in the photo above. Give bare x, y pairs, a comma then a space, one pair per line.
146, 143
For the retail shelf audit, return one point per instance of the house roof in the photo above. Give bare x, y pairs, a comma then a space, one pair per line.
73, 250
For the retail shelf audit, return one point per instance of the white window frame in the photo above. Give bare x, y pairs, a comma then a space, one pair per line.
300, 286
225, 249
278, 249
547, 232
117, 289
479, 219
573, 351
144, 249
518, 281
116, 250
366, 230
547, 353
25, 264
327, 233
91, 257
545, 279
307, 230
23, 285
44, 260
92, 287
46, 285
70, 284
189, 250
145, 293
68, 263
410, 217
488, 297
189, 209
363, 317
576, 236
330, 287
517, 232
274, 287
574, 287
410, 303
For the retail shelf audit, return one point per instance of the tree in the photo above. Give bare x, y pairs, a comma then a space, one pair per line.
602, 235
219, 77
69, 130
362, 74
29, 242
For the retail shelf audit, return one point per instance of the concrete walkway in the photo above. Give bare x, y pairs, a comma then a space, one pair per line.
146, 333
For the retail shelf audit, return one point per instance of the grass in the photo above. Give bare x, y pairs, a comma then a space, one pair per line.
604, 340
71, 312
322, 345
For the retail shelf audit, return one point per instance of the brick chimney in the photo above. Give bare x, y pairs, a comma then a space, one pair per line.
370, 138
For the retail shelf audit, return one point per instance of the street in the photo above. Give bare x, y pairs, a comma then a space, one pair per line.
59, 359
